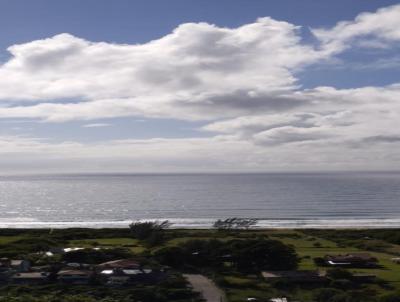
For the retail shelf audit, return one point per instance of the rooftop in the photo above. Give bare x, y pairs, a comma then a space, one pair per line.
122, 263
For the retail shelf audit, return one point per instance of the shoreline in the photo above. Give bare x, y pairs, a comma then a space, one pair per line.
205, 223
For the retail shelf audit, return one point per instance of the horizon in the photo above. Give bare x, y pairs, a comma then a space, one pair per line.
188, 88
195, 173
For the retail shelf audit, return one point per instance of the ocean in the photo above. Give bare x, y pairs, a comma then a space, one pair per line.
279, 200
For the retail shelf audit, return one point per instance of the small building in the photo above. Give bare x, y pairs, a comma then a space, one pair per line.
351, 260
296, 276
30, 278
124, 276
20, 265
74, 276
15, 265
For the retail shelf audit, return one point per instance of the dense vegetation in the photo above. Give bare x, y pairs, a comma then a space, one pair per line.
232, 256
248, 255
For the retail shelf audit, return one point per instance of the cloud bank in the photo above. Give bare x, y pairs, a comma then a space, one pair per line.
240, 81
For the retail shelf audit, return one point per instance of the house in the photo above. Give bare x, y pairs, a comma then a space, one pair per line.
30, 278
20, 265
296, 276
74, 276
124, 276
119, 264
16, 265
351, 260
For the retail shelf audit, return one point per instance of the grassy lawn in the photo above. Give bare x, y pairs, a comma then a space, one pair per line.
177, 241
305, 248
9, 239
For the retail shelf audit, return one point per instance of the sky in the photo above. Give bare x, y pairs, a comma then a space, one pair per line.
199, 86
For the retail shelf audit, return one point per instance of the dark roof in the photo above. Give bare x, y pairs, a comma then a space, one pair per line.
122, 263
291, 274
79, 273
30, 275
17, 262
351, 257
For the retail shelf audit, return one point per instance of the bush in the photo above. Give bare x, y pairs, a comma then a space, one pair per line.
317, 244
149, 231
325, 294
172, 256
339, 273
342, 284
319, 261
390, 298
235, 223
26, 246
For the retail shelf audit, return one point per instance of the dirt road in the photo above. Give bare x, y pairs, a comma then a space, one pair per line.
206, 287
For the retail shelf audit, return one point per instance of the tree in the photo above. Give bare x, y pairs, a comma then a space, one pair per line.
339, 273
235, 223
326, 294
390, 298
245, 255
150, 231
256, 255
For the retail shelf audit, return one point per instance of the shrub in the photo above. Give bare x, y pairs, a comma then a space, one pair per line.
235, 223
325, 294
339, 273
390, 298
149, 231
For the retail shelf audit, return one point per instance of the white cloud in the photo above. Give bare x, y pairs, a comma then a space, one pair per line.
199, 71
344, 116
378, 28
240, 80
226, 153
196, 68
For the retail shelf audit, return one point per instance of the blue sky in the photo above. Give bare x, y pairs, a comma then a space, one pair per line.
96, 87
126, 21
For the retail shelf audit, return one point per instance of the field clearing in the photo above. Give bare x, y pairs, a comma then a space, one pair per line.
9, 239
305, 248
